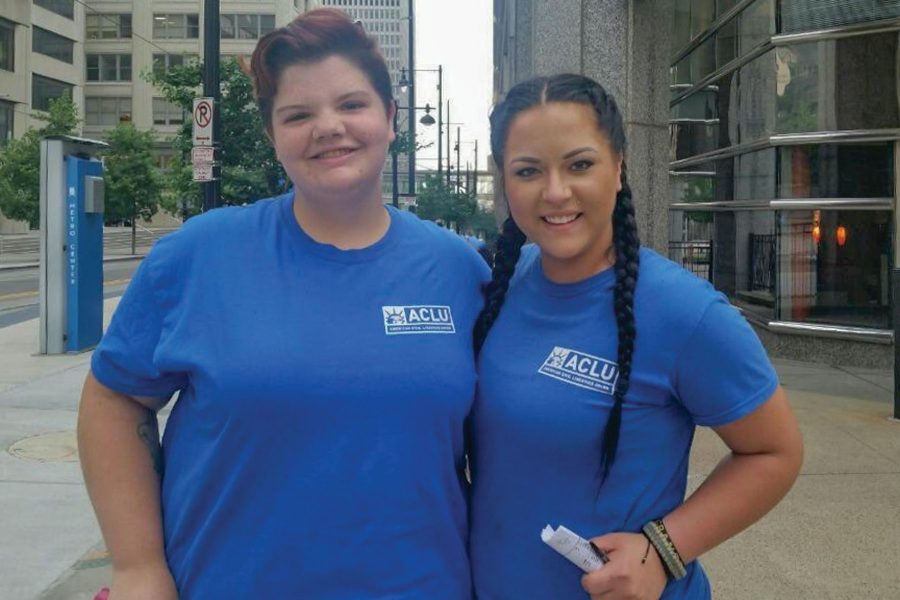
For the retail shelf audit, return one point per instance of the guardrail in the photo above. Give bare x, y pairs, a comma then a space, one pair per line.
114, 241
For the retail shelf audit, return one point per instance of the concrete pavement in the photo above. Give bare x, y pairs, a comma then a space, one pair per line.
833, 538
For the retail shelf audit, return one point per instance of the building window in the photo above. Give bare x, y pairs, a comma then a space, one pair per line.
44, 89
836, 171
803, 15
166, 113
839, 84
108, 26
7, 45
65, 8
106, 111
52, 45
163, 62
108, 67
7, 112
176, 26
245, 27
736, 37
833, 267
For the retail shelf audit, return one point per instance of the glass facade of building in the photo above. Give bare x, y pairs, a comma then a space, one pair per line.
784, 124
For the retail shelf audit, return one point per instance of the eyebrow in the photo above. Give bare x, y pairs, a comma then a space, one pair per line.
341, 98
566, 156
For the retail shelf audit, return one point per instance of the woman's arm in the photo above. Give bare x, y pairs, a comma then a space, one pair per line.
118, 441
766, 455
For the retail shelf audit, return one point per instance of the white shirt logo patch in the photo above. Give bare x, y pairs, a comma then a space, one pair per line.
581, 369
406, 320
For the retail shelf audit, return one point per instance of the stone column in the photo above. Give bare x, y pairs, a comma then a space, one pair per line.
623, 44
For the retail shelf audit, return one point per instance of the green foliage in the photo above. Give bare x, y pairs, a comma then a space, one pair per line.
133, 186
20, 162
482, 224
403, 143
455, 209
698, 190
250, 169
62, 118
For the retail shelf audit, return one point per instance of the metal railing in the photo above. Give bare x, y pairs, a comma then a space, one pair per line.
695, 256
762, 262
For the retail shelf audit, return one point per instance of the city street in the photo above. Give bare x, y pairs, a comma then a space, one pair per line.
19, 289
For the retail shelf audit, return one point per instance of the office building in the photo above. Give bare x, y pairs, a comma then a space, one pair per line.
764, 148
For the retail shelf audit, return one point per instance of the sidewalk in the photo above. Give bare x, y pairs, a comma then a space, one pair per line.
833, 538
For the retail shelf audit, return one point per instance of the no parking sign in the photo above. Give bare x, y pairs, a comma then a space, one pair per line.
203, 120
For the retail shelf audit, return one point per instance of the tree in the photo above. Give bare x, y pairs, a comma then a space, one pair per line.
250, 169
133, 187
439, 202
483, 225
20, 162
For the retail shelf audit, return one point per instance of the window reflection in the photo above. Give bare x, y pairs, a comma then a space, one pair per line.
756, 92
838, 84
702, 122
756, 25
834, 267
744, 259
754, 175
836, 171
691, 243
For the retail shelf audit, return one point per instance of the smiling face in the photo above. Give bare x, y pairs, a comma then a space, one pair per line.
331, 130
561, 176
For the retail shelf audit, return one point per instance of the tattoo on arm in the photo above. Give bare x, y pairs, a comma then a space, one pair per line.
148, 431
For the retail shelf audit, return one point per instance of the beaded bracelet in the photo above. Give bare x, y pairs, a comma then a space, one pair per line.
668, 553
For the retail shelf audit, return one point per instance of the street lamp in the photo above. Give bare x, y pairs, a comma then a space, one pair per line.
406, 83
427, 119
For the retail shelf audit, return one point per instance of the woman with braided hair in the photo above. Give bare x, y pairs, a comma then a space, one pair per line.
602, 359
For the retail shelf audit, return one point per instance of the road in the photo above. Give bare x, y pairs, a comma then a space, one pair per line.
19, 289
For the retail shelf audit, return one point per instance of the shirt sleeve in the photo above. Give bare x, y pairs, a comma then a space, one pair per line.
723, 373
127, 358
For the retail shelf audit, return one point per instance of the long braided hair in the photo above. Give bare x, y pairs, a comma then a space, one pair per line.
582, 90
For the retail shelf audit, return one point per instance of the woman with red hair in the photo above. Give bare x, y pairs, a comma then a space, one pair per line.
320, 347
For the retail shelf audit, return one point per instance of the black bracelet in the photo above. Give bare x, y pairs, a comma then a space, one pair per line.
656, 533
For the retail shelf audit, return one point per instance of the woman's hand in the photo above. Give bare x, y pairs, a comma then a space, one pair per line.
634, 570
151, 582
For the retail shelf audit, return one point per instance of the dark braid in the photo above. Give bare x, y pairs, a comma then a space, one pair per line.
625, 239
506, 255
580, 90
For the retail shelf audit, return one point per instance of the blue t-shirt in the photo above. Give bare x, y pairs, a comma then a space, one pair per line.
546, 378
316, 445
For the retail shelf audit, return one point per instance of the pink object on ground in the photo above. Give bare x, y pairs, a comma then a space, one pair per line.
102, 594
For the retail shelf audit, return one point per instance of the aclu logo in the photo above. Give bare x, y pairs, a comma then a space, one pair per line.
581, 369
406, 320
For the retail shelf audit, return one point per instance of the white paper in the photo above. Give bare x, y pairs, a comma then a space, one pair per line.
572, 546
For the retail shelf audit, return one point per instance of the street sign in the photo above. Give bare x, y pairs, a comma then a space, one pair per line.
203, 172
203, 121
202, 154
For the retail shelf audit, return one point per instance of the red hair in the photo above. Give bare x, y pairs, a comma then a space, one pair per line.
311, 37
